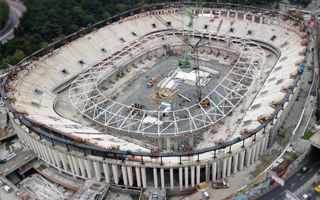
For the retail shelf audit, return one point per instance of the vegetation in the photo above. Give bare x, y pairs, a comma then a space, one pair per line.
4, 14
307, 134
47, 20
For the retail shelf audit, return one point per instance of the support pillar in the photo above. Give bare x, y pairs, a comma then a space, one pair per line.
180, 178
192, 176
81, 164
207, 172
97, 170
64, 161
87, 163
253, 153
235, 163
261, 150
144, 177
124, 175
248, 155
257, 151
171, 178
106, 171
130, 175
162, 178
241, 163
155, 177
214, 171
228, 14
224, 168
198, 174
229, 165
72, 167
115, 174
138, 176
186, 177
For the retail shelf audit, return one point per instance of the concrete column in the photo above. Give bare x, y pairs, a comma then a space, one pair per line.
64, 161
138, 176
171, 178
115, 174
42, 155
87, 164
81, 164
257, 151
198, 174
162, 178
253, 153
261, 19
180, 178
248, 155
236, 15
192, 176
144, 177
219, 13
228, 14
235, 163
224, 168
229, 165
244, 16
124, 174
266, 142
106, 172
56, 156
97, 170
186, 177
214, 171
207, 172
261, 150
155, 177
46, 148
130, 175
71, 165
241, 163
76, 166
252, 18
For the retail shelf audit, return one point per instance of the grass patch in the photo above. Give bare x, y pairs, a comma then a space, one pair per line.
307, 134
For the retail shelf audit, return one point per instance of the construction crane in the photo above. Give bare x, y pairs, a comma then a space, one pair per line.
184, 62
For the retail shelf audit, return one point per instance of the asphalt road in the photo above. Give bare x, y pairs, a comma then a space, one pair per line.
16, 10
296, 180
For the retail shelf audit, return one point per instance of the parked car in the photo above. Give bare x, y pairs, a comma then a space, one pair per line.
7, 188
205, 194
307, 196
304, 169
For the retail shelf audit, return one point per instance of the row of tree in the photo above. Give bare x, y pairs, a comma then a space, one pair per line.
47, 20
4, 13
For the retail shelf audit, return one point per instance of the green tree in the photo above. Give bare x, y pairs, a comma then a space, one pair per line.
4, 13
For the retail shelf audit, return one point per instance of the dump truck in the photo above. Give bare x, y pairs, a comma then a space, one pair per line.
220, 184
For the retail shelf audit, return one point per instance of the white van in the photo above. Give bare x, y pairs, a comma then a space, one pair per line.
7, 188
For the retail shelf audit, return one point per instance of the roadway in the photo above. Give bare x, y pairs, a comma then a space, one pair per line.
296, 180
16, 11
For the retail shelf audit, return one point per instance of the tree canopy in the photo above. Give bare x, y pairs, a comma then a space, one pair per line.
4, 13
47, 20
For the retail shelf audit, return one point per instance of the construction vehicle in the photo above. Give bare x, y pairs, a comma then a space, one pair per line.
205, 102
220, 184
151, 82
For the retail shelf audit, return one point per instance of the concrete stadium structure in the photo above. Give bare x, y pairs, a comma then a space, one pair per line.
58, 108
